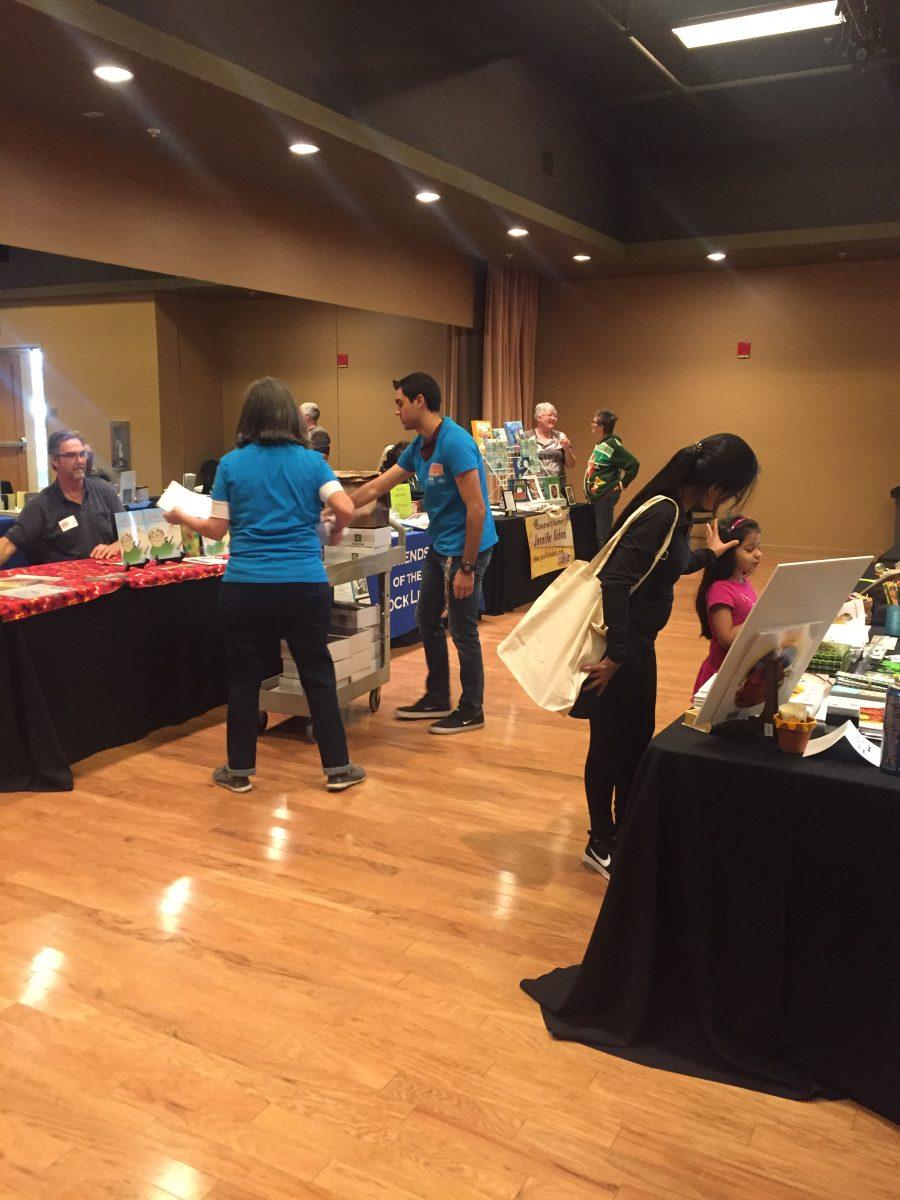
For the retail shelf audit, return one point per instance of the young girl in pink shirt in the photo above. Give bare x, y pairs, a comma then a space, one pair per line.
726, 596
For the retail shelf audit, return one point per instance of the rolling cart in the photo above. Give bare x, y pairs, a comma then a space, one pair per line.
273, 698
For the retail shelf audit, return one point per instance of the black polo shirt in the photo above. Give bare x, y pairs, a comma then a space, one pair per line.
39, 533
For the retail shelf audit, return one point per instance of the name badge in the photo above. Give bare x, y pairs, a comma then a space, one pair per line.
436, 469
68, 523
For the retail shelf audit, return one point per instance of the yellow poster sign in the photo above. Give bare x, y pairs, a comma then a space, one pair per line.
550, 542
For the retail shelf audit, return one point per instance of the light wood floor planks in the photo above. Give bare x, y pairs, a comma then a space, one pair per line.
292, 995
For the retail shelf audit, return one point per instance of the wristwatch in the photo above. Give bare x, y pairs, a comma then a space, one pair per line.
467, 568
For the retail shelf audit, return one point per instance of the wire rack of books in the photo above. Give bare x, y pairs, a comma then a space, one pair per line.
514, 466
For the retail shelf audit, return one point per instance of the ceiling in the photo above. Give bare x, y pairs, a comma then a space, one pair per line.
781, 150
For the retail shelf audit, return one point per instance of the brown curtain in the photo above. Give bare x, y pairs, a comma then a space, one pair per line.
510, 329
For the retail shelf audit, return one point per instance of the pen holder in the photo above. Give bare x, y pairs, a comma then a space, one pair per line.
793, 733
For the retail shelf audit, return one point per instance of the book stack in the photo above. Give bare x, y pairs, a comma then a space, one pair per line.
354, 644
861, 699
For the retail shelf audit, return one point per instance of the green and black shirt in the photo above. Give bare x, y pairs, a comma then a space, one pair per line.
609, 464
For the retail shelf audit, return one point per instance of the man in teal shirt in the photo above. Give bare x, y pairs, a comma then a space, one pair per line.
450, 469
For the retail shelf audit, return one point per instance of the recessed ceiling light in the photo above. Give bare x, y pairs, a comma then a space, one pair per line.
517, 231
110, 74
716, 256
304, 148
790, 19
581, 257
427, 197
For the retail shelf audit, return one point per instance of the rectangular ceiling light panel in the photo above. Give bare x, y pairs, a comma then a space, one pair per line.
791, 19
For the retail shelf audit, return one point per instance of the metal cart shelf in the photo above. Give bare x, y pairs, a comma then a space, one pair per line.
273, 698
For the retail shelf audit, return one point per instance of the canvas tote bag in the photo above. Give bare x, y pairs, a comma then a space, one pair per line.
564, 628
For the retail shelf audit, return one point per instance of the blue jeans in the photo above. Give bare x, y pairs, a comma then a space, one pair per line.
463, 629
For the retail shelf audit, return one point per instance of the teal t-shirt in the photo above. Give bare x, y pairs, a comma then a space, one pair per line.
454, 453
275, 503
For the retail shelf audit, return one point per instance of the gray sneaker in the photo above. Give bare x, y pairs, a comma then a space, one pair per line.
235, 783
345, 779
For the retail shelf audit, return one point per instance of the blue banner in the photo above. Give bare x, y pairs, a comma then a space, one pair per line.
405, 583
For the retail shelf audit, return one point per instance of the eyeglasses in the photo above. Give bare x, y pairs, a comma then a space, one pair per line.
73, 454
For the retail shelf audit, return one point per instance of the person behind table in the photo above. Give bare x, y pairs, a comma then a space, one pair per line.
275, 587
450, 467
619, 695
726, 596
554, 448
75, 517
610, 470
316, 436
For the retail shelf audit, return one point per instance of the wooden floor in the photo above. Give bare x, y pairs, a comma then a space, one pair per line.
291, 994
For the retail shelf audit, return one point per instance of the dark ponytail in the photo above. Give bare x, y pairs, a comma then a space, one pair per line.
723, 460
732, 527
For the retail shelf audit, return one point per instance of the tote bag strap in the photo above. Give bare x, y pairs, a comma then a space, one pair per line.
599, 560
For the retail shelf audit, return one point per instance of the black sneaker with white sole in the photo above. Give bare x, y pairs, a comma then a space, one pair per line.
459, 721
598, 856
423, 710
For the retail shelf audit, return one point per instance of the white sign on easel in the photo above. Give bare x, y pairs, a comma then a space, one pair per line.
781, 633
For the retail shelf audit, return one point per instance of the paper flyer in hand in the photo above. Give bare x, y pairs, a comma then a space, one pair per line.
192, 504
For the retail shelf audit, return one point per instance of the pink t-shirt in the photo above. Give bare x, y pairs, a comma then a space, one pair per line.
740, 598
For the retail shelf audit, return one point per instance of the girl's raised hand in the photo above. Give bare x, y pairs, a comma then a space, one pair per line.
715, 543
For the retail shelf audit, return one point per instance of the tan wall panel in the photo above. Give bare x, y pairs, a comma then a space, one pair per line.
100, 365
818, 399
67, 193
293, 340
190, 383
380, 349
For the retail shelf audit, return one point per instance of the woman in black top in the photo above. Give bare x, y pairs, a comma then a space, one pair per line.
619, 697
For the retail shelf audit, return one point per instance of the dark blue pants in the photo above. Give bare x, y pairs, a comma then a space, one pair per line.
256, 616
463, 624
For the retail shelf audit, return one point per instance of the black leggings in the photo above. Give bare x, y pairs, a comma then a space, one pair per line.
622, 722
255, 617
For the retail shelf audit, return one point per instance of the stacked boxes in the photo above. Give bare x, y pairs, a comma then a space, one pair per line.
357, 543
354, 644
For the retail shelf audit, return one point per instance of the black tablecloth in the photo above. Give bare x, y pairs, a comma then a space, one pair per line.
750, 931
507, 582
101, 674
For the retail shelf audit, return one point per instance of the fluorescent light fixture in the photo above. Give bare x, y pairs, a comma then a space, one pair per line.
517, 231
790, 19
716, 256
581, 257
111, 74
304, 148
427, 197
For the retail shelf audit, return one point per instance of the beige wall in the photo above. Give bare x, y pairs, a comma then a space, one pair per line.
817, 399
293, 340
177, 369
298, 342
190, 383
100, 365
380, 349
67, 192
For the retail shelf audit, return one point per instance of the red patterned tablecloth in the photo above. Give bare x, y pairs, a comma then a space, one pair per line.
88, 578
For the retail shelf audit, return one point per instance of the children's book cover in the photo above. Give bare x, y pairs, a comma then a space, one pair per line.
145, 535
513, 431
132, 538
216, 549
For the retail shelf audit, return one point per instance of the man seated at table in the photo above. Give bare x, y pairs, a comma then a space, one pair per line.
73, 517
